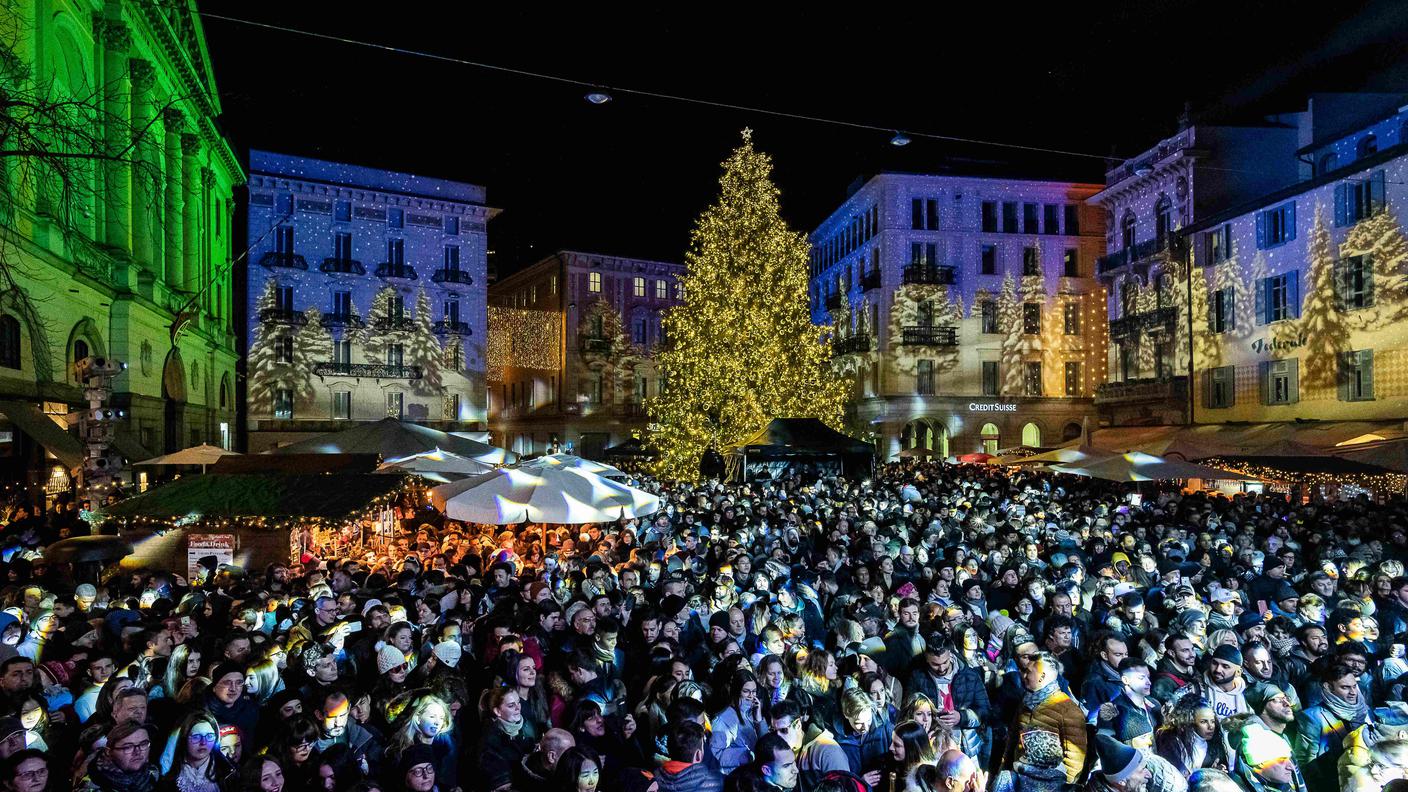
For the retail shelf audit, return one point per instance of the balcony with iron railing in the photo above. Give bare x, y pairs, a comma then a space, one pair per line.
1136, 253
929, 335
342, 320
930, 274
283, 259
446, 275
284, 316
368, 370
388, 269
594, 345
857, 344
1144, 164
1158, 389
402, 324
870, 281
1159, 320
833, 301
341, 266
452, 327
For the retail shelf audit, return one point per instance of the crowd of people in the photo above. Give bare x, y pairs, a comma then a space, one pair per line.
933, 628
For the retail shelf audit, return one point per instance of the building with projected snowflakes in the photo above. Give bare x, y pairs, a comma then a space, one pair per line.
366, 298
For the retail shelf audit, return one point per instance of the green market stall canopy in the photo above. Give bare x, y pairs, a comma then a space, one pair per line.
256, 498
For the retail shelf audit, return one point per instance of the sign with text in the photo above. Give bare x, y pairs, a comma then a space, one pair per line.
991, 407
198, 546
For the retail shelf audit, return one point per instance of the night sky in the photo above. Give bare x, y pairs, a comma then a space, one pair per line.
629, 177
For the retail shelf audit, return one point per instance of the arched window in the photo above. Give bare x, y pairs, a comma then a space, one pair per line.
1071, 432
990, 437
1127, 229
1163, 219
1328, 162
1367, 145
80, 350
1031, 435
9, 342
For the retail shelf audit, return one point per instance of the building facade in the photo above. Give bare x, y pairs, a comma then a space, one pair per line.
127, 255
1148, 200
1300, 295
965, 308
572, 340
366, 298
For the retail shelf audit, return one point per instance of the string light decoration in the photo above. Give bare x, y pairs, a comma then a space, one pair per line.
741, 348
1380, 483
520, 338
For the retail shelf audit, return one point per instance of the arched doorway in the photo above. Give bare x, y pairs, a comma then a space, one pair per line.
173, 391
990, 437
917, 436
941, 441
1070, 432
1031, 435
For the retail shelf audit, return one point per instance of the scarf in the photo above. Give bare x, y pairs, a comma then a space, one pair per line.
1356, 713
111, 778
607, 657
511, 728
1035, 698
781, 692
192, 778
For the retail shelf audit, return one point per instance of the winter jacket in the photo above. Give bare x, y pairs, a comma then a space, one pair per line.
1101, 687
970, 701
1168, 680
865, 752
676, 776
820, 756
1063, 716
1319, 741
732, 739
499, 756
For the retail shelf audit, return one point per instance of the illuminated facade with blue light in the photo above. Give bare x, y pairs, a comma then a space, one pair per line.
965, 309
367, 294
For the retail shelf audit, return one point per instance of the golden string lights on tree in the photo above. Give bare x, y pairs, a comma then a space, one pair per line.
742, 348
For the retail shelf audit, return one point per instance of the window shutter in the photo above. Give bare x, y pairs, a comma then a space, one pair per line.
1290, 219
1341, 280
1366, 266
1343, 374
1293, 293
1261, 230
1212, 313
1226, 241
1231, 377
1229, 319
1366, 359
1264, 372
1293, 367
1261, 288
1376, 192
1207, 388
1341, 205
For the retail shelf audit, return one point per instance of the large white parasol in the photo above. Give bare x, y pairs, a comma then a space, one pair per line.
546, 494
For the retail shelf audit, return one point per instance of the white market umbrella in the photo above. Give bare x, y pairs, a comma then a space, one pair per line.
203, 454
554, 495
392, 438
570, 462
1138, 466
437, 465
1065, 455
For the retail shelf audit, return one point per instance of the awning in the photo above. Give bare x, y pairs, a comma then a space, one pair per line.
29, 420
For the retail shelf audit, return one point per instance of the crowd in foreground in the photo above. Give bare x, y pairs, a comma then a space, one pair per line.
935, 628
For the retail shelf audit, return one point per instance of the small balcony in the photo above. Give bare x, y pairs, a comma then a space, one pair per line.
930, 274
594, 345
1161, 320
924, 335
395, 324
870, 281
340, 266
833, 301
853, 345
444, 275
342, 320
367, 370
1139, 252
283, 316
388, 269
449, 327
1162, 389
283, 260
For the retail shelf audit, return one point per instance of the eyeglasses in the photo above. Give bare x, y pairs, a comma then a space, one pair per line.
33, 775
205, 737
131, 748
423, 771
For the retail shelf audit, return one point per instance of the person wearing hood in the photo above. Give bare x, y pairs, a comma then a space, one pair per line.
1321, 729
686, 770
226, 700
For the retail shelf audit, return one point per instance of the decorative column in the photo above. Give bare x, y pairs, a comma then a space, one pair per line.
190, 223
145, 215
172, 211
115, 39
207, 236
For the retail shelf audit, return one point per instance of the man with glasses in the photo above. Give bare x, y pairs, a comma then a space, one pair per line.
323, 615
227, 702
124, 765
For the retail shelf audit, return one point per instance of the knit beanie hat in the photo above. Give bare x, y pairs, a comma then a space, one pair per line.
1118, 762
1259, 694
416, 755
448, 652
389, 657
1228, 654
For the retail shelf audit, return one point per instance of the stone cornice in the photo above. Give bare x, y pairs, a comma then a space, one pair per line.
259, 182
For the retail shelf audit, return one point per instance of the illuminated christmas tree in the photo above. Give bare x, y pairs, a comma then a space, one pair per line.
741, 349
423, 347
1009, 323
1381, 238
261, 364
311, 346
1322, 322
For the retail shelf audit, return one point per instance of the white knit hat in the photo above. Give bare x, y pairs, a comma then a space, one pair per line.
448, 652
389, 657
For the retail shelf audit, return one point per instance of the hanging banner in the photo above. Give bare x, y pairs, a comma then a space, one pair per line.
198, 546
